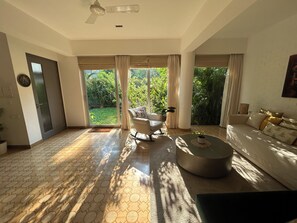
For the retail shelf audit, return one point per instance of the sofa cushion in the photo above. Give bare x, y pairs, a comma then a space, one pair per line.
272, 119
255, 119
289, 123
280, 133
271, 113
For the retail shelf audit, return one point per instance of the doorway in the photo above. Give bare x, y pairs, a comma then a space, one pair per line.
208, 87
103, 97
47, 93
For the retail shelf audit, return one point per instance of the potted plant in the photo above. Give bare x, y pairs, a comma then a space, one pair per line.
165, 110
200, 136
3, 143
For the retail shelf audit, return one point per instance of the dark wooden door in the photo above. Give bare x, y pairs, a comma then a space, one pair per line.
47, 93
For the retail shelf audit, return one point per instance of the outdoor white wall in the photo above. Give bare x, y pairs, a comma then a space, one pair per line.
73, 93
223, 46
13, 120
125, 47
18, 49
265, 67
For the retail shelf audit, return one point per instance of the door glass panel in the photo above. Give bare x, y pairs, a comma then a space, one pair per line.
42, 103
138, 89
101, 87
148, 87
158, 89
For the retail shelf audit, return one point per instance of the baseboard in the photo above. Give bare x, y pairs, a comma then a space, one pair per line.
77, 127
18, 147
24, 146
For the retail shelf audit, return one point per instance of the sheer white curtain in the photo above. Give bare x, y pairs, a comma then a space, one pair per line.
231, 92
173, 89
122, 66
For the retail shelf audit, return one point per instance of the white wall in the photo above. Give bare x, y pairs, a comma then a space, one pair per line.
71, 86
18, 49
73, 93
265, 68
13, 120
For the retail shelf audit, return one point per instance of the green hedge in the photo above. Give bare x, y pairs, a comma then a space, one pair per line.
208, 86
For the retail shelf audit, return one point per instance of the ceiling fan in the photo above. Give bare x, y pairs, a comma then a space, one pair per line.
97, 10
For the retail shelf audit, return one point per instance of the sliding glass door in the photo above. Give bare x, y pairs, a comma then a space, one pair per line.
148, 87
103, 97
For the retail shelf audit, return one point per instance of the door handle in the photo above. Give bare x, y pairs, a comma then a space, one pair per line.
38, 105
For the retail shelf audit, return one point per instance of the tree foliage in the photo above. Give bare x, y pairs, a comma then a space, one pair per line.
138, 88
208, 86
158, 94
100, 88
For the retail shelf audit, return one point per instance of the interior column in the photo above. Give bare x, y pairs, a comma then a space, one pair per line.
186, 89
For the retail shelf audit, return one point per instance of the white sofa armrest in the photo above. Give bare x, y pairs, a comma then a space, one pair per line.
237, 119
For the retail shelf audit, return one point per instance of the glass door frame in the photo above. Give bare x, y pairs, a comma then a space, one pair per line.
86, 101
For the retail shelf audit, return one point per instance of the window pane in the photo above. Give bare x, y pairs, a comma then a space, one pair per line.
154, 96
137, 90
101, 92
42, 97
158, 89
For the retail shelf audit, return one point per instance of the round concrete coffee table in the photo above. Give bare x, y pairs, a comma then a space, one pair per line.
212, 159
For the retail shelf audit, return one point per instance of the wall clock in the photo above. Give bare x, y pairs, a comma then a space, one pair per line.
24, 80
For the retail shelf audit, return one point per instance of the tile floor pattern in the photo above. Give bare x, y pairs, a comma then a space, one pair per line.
83, 177
74, 177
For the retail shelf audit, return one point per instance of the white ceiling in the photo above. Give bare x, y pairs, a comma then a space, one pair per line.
259, 16
157, 19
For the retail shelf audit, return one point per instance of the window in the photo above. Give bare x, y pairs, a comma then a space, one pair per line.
148, 87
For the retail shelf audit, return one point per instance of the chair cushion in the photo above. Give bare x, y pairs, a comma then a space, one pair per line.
140, 112
156, 125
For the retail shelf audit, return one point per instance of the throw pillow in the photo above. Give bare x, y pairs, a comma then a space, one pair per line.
289, 123
280, 133
255, 119
272, 119
271, 113
140, 112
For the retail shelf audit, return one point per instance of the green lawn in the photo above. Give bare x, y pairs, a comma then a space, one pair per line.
103, 116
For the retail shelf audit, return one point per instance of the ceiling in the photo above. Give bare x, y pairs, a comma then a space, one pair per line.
259, 16
157, 19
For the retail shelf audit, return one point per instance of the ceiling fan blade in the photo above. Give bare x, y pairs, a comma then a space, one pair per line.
122, 9
92, 18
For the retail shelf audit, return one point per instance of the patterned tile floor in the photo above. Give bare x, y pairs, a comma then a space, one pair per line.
76, 176
79, 176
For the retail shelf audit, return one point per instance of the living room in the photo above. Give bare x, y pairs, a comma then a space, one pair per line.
260, 30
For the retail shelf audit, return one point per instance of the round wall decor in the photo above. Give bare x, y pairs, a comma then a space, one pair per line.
24, 80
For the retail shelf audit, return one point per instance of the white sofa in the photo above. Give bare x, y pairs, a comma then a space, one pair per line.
274, 157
